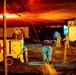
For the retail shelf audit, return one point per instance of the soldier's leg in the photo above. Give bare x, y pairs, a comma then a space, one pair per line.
26, 56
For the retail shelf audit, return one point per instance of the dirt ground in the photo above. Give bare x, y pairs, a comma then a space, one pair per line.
57, 58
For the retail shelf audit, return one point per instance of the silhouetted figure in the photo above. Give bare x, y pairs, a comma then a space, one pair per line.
46, 51
58, 44
66, 42
58, 39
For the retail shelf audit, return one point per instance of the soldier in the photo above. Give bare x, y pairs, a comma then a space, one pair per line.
58, 39
25, 51
66, 46
58, 44
66, 42
47, 51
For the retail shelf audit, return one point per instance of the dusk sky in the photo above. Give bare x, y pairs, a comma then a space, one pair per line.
38, 12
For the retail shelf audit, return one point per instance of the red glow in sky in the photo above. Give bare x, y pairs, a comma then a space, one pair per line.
9, 16
40, 11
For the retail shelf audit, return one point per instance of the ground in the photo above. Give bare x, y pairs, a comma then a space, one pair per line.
68, 67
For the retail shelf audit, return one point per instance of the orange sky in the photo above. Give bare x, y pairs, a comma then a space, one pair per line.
41, 11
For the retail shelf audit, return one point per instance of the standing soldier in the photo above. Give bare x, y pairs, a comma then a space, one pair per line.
66, 42
58, 44
46, 51
66, 46
58, 39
